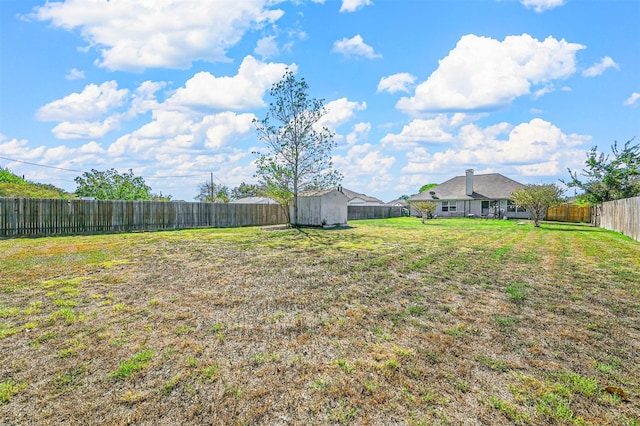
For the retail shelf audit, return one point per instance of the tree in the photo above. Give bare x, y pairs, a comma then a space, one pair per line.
7, 177
609, 179
111, 185
298, 156
425, 208
161, 197
537, 199
246, 190
211, 192
427, 187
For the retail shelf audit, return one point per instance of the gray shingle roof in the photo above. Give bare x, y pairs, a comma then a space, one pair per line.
352, 194
492, 186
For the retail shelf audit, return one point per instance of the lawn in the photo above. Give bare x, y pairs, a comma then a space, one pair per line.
458, 321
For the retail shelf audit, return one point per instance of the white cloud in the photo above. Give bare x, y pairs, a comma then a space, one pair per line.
534, 148
421, 131
339, 112
353, 5
85, 129
19, 149
541, 5
75, 74
132, 35
597, 69
362, 160
633, 99
543, 91
267, 47
93, 102
220, 129
79, 113
359, 133
242, 91
180, 131
366, 163
59, 156
482, 73
144, 98
355, 47
396, 83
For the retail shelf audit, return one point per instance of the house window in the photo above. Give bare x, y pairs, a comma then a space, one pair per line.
449, 206
489, 204
514, 208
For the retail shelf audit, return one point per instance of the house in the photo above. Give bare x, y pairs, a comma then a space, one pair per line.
400, 202
322, 208
486, 195
254, 200
357, 199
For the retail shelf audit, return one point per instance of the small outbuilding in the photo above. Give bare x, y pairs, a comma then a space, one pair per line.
327, 208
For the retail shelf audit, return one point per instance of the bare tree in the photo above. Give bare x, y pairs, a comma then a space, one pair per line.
299, 150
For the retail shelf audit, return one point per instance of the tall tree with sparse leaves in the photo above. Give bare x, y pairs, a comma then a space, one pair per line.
246, 190
608, 178
537, 199
298, 156
111, 185
211, 192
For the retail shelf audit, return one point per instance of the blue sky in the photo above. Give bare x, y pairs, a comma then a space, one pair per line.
416, 91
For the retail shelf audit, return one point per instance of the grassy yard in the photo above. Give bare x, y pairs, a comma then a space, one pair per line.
457, 321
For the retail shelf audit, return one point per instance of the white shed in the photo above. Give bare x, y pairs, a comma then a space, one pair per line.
322, 208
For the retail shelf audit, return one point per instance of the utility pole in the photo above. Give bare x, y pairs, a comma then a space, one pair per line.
211, 188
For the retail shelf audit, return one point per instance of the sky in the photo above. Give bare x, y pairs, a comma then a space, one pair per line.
416, 91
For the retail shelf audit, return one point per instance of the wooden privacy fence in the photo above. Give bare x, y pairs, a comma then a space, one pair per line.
29, 216
569, 213
621, 216
373, 212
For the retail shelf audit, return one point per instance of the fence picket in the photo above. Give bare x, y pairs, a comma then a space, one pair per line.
22, 216
622, 216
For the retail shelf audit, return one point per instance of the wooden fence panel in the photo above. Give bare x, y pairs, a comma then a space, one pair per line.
569, 213
373, 212
25, 216
621, 216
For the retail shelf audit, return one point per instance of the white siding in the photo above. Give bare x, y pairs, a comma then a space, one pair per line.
329, 208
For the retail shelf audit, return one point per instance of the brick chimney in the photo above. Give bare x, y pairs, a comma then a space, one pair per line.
469, 182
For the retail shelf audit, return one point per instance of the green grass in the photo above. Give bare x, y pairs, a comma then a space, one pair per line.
8, 388
133, 365
386, 322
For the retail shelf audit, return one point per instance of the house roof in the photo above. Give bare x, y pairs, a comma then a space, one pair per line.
492, 186
352, 194
254, 200
398, 201
318, 192
347, 192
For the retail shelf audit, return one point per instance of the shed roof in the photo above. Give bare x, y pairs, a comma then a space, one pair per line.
254, 200
319, 192
492, 186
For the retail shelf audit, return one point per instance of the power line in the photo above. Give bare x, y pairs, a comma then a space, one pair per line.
41, 165
82, 171
178, 176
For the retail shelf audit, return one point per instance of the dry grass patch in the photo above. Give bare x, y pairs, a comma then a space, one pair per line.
388, 322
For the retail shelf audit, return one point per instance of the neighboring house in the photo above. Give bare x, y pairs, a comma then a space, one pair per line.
322, 208
253, 200
480, 195
357, 199
400, 202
